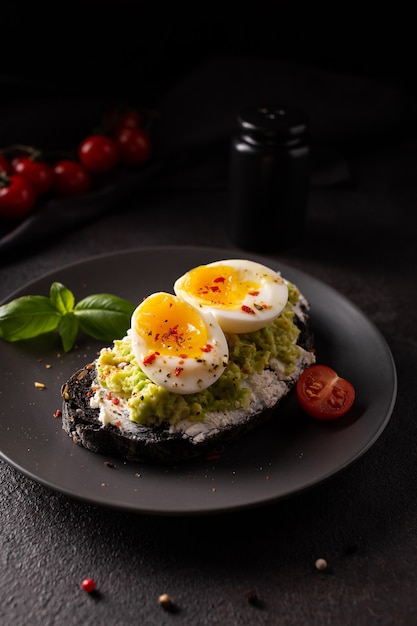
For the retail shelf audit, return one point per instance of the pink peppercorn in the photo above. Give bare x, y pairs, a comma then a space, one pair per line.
88, 585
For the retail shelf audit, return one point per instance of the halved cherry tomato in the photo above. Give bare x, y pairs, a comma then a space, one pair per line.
39, 173
323, 394
17, 197
71, 178
98, 153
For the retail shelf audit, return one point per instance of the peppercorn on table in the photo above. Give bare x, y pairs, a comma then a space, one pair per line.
302, 522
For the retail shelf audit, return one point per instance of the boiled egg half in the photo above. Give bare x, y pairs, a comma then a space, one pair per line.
177, 346
242, 295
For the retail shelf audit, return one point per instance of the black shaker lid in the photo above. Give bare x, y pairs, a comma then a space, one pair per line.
275, 122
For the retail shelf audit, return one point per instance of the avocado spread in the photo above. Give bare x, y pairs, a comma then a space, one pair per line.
150, 404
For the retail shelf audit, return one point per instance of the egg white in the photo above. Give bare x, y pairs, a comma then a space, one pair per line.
254, 294
177, 346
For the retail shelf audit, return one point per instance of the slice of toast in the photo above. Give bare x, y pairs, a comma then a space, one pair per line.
186, 440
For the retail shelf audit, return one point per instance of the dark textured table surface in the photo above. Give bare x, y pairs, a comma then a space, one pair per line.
361, 240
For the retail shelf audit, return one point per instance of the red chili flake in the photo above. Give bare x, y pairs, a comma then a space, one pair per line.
183, 356
207, 348
88, 585
178, 371
219, 279
109, 395
116, 401
247, 309
173, 332
215, 288
150, 358
57, 413
253, 293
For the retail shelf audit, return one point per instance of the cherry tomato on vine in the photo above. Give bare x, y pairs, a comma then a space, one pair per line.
5, 165
323, 394
134, 144
115, 119
129, 119
71, 178
39, 173
98, 153
17, 197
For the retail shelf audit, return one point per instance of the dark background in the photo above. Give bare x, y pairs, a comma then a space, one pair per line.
64, 65
361, 236
140, 49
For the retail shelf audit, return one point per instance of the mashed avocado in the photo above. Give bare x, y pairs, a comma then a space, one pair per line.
151, 404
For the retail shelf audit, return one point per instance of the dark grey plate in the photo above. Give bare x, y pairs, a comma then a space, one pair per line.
281, 459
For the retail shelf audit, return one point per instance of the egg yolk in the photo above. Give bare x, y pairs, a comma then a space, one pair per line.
171, 326
221, 286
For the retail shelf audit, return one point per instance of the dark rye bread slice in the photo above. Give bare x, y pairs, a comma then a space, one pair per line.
159, 444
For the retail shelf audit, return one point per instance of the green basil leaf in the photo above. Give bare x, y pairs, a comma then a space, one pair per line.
27, 317
62, 298
68, 330
104, 316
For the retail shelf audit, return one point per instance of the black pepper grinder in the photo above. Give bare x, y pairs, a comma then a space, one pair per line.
269, 177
